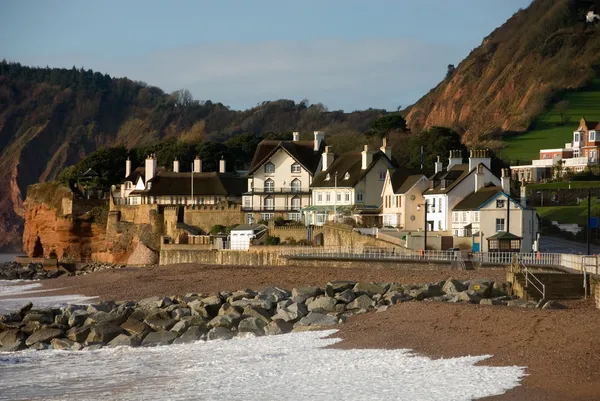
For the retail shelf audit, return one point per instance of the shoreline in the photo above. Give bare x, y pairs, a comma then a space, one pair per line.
556, 347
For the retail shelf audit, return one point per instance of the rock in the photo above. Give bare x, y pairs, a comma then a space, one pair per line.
369, 289
40, 346
242, 294
346, 296
93, 347
519, 303
301, 294
212, 304
292, 312
77, 318
258, 313
45, 316
468, 296
104, 317
335, 287
266, 298
24, 309
43, 336
278, 293
198, 321
219, 333
180, 313
226, 321
339, 308
278, 326
197, 308
124, 340
78, 334
481, 287
227, 309
396, 287
159, 338
31, 327
103, 332
192, 334
135, 327
160, 324
501, 289
554, 305
322, 305
254, 303
362, 302
12, 340
252, 325
150, 302
61, 343
453, 287
490, 301
395, 297
382, 308
101, 307
77, 347
180, 327
317, 319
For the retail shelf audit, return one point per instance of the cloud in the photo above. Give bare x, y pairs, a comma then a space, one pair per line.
345, 75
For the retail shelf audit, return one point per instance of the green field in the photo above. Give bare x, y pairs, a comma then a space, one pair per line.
565, 185
569, 214
546, 134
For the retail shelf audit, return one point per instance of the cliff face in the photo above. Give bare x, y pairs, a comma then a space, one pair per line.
507, 81
53, 229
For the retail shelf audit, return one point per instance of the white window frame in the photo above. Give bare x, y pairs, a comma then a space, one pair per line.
500, 223
319, 198
267, 216
296, 185
269, 186
269, 205
347, 197
592, 136
296, 203
296, 168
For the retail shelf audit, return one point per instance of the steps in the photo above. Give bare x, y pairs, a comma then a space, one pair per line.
558, 285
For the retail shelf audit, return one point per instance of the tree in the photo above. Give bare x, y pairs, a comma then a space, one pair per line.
562, 108
183, 97
436, 141
450, 70
384, 125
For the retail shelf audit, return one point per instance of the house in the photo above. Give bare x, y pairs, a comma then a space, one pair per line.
350, 184
402, 193
494, 220
280, 176
241, 236
448, 187
576, 156
156, 186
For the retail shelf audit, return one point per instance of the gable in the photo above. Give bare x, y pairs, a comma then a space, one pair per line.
490, 204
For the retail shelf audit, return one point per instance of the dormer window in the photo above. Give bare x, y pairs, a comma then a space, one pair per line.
296, 168
327, 177
269, 168
347, 176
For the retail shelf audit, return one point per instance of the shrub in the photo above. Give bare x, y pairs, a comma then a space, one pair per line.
279, 221
219, 229
272, 240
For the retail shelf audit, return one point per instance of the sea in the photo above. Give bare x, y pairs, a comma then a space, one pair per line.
295, 366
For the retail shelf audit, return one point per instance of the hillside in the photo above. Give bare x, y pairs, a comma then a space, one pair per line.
506, 82
52, 118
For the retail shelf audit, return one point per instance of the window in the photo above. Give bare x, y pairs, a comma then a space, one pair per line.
338, 197
432, 209
347, 196
267, 216
296, 168
476, 217
359, 197
440, 205
455, 218
295, 216
515, 244
247, 202
347, 176
464, 217
327, 177
269, 203
319, 197
328, 197
296, 203
500, 203
269, 185
576, 137
269, 168
592, 136
456, 233
382, 175
249, 218
296, 185
499, 225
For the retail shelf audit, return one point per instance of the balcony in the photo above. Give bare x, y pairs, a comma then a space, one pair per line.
579, 161
543, 163
279, 190
262, 208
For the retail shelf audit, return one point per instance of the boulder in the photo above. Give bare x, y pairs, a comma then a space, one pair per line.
180, 327
135, 327
105, 317
180, 313
40, 346
258, 313
252, 325
101, 307
346, 296
382, 308
395, 297
242, 294
554, 305
317, 319
45, 316
150, 302
160, 324
491, 301
254, 303
12, 340
278, 293
453, 287
481, 287
335, 287
77, 318
198, 321
278, 326
468, 296
43, 336
219, 333
396, 287
93, 347
228, 309
212, 304
198, 308
124, 340
362, 302
301, 294
369, 289
322, 305
78, 334
61, 343
159, 338
292, 312
225, 321
191, 335
24, 309
501, 288
103, 332
31, 327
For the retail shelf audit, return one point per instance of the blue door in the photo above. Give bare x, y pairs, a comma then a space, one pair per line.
476, 244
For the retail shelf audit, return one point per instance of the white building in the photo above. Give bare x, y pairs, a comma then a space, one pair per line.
401, 195
241, 236
349, 184
280, 176
448, 187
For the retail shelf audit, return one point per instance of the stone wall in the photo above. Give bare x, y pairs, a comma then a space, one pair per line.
206, 217
595, 289
297, 233
342, 235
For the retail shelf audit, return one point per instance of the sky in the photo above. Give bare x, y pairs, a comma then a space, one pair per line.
346, 54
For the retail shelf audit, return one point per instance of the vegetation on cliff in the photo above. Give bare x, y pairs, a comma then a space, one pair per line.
518, 70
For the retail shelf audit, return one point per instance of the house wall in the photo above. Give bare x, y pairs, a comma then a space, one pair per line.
371, 185
407, 206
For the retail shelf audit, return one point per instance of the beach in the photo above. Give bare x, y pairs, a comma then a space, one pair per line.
558, 348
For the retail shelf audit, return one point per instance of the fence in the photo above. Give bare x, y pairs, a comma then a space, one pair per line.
382, 253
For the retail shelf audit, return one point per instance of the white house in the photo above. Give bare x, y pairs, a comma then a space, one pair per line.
241, 236
352, 181
448, 187
402, 194
280, 176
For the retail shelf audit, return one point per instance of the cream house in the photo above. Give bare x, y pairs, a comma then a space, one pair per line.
351, 182
402, 194
280, 176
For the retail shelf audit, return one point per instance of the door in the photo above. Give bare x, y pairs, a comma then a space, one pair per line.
476, 243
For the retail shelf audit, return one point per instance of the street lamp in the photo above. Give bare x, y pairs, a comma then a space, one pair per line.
425, 231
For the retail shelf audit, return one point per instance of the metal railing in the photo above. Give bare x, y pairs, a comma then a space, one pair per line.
530, 278
537, 259
382, 253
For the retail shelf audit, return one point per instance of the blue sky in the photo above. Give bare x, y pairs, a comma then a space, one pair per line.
346, 54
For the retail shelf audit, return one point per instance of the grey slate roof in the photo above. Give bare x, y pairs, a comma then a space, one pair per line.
350, 163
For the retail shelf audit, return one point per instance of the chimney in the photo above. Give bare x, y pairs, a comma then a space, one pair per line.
367, 157
327, 159
175, 165
454, 159
479, 178
150, 168
438, 165
386, 149
480, 156
319, 137
197, 165
505, 180
296, 136
127, 167
222, 165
